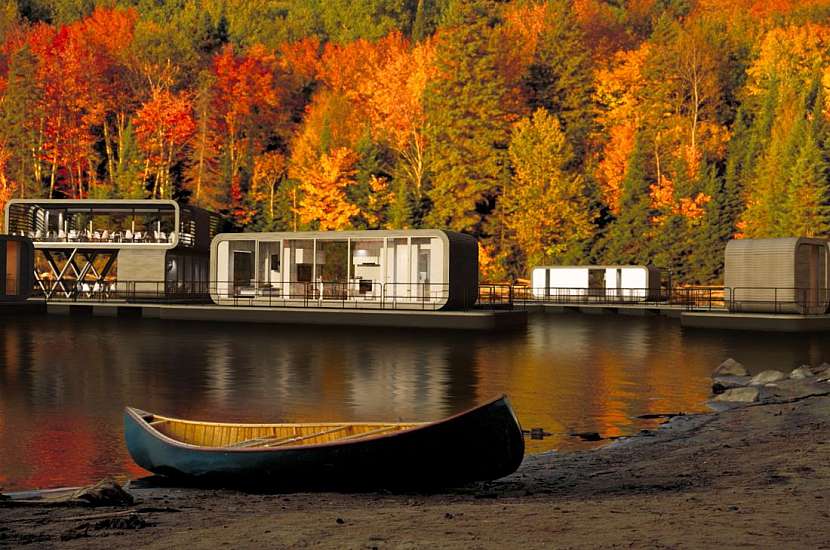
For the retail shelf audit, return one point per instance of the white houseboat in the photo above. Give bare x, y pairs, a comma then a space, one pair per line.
602, 282
418, 269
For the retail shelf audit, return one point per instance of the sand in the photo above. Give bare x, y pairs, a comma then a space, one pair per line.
754, 476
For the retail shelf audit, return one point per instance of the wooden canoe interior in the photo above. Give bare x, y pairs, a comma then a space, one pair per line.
240, 436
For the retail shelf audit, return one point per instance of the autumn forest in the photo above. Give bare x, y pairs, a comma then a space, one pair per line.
561, 131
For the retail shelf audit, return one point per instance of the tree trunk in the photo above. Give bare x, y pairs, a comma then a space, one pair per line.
271, 201
109, 153
657, 159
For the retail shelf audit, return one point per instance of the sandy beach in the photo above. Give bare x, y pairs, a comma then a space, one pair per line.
752, 476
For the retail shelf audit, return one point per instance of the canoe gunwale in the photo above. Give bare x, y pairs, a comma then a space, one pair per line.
138, 417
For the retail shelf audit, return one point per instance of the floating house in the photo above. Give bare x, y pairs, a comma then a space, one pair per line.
601, 282
138, 247
417, 269
787, 275
17, 263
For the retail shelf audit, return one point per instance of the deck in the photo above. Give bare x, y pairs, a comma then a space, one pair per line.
485, 320
761, 322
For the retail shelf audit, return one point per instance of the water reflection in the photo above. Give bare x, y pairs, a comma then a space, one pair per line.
64, 382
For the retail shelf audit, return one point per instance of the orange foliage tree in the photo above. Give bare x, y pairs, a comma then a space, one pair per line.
618, 90
164, 125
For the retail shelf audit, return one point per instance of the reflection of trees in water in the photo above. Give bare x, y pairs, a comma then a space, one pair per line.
585, 373
408, 382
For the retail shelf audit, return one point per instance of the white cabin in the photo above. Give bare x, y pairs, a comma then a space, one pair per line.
411, 269
612, 282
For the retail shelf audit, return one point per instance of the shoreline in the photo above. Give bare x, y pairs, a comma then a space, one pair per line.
755, 475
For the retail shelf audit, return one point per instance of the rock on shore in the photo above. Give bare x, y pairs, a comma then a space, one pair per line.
733, 390
730, 367
739, 395
801, 373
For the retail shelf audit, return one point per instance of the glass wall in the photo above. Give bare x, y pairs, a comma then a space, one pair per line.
367, 277
396, 269
270, 263
89, 222
186, 274
235, 268
298, 258
332, 269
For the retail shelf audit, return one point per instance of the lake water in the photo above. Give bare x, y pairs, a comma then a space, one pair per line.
64, 381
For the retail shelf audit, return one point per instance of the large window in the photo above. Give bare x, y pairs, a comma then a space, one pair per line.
85, 222
269, 263
12, 268
235, 267
332, 268
366, 277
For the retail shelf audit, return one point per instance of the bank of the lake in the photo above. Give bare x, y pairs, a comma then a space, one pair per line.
757, 475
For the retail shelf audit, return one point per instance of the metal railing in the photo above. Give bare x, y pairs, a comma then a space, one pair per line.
105, 236
581, 295
304, 294
104, 291
801, 300
685, 296
434, 296
333, 294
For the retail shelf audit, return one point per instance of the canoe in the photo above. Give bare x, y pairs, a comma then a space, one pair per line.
482, 443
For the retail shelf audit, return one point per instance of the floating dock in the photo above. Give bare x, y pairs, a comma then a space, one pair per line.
761, 322
635, 310
713, 320
483, 320
477, 319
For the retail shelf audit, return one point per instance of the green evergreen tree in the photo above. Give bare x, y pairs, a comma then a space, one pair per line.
129, 179
419, 25
705, 262
767, 185
18, 109
400, 211
560, 79
807, 204
373, 161
466, 125
627, 240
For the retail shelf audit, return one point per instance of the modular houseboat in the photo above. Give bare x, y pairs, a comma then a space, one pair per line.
786, 275
138, 247
409, 269
602, 282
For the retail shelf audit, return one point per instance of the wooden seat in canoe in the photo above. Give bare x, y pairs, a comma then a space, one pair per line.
276, 441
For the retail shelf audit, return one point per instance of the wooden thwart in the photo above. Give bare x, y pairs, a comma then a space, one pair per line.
277, 441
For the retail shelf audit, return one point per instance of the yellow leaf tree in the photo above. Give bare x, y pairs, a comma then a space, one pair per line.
323, 187
546, 207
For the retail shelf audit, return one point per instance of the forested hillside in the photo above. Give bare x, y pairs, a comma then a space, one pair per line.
614, 131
